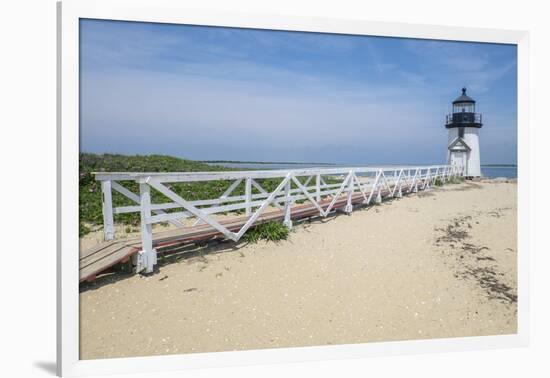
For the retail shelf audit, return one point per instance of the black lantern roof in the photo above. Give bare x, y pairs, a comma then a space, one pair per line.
463, 114
464, 98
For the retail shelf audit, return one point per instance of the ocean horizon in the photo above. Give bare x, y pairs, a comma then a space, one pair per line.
490, 171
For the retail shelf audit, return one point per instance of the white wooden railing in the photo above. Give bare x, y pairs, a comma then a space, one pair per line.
295, 185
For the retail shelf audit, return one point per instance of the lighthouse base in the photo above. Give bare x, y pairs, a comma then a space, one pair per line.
463, 150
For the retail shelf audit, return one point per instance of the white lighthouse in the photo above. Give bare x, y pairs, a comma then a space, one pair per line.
463, 144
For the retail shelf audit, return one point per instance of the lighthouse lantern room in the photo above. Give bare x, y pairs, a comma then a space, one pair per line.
463, 143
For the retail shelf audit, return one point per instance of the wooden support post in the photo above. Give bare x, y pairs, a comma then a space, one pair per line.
378, 199
108, 221
349, 207
427, 179
318, 187
288, 206
248, 195
399, 182
147, 257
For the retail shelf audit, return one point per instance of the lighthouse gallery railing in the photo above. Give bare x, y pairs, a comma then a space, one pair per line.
322, 187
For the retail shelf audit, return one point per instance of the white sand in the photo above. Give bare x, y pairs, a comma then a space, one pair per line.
389, 272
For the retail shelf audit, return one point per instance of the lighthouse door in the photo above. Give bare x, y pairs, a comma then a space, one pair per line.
458, 158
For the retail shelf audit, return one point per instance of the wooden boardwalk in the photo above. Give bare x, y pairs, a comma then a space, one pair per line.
102, 257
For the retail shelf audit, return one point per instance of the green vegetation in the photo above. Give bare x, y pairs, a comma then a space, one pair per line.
90, 189
83, 229
455, 180
262, 162
270, 231
450, 180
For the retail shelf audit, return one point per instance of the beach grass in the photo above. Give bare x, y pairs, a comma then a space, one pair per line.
455, 180
270, 231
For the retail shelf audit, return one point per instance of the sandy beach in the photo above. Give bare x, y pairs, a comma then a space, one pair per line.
440, 263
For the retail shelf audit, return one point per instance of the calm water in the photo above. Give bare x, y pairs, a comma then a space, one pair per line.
509, 172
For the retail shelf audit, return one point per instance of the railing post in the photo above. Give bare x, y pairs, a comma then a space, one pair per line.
399, 181
415, 179
107, 202
288, 206
147, 257
248, 195
349, 207
378, 198
426, 179
318, 187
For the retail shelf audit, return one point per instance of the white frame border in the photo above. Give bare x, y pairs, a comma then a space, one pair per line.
170, 11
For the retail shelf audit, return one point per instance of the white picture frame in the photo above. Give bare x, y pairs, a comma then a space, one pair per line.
172, 11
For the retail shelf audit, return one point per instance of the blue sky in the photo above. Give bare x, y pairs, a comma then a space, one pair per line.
209, 93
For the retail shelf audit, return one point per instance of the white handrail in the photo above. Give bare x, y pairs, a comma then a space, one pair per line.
367, 181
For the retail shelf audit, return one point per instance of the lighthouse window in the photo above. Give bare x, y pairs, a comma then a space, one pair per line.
461, 132
464, 108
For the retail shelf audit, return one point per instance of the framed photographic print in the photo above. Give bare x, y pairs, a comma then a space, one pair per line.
241, 188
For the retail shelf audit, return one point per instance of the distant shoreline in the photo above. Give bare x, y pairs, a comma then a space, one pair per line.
260, 162
493, 165
311, 163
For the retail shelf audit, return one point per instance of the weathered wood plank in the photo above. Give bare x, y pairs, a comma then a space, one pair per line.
97, 248
105, 263
92, 259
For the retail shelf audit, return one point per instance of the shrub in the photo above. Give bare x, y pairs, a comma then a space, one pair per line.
438, 182
83, 230
270, 231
